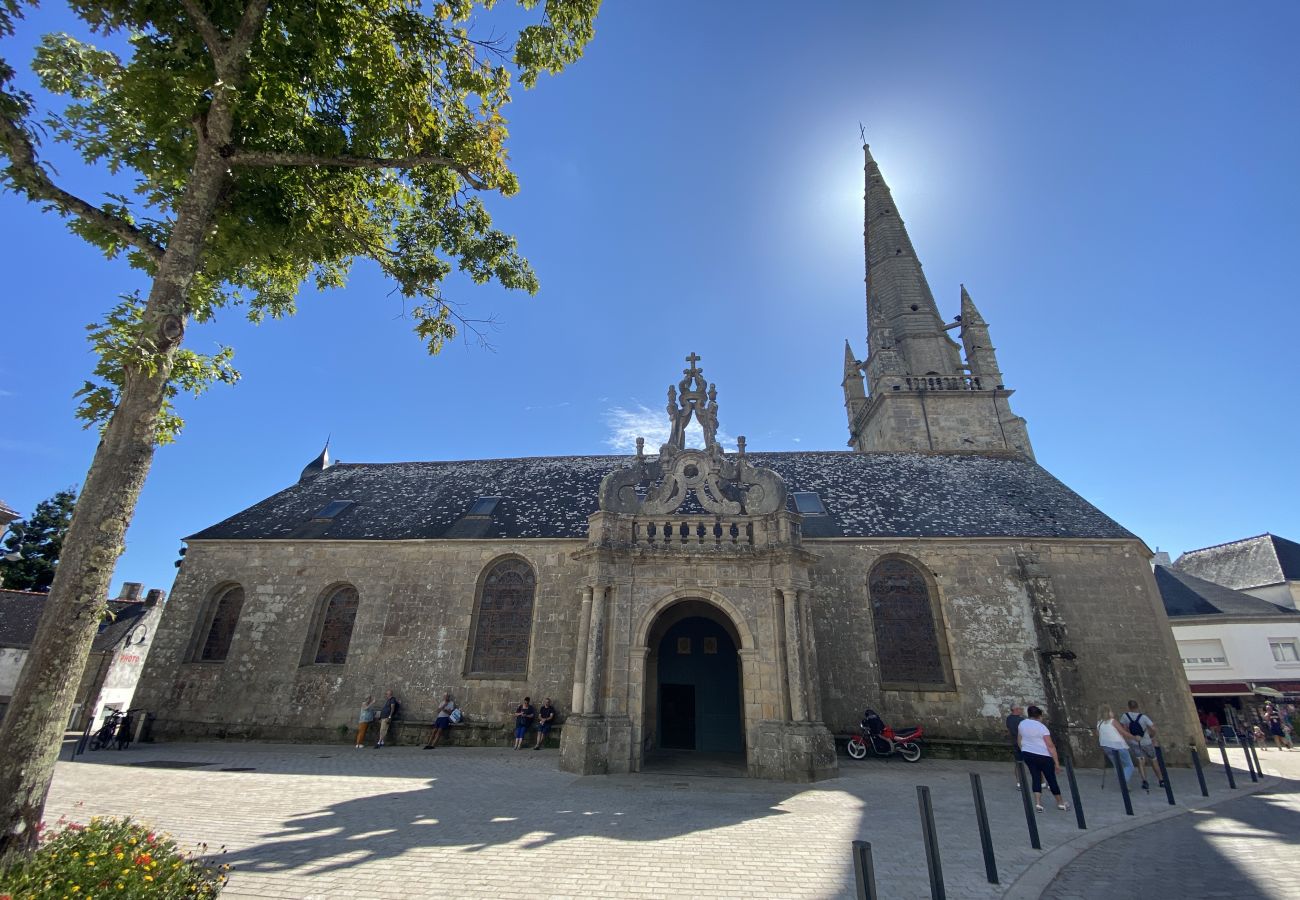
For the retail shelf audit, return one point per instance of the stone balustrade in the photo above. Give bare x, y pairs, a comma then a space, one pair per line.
943, 383
710, 532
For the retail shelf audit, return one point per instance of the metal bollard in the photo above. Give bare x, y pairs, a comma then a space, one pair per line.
1247, 744
1030, 820
1169, 782
1200, 773
864, 871
1227, 766
986, 835
931, 838
1123, 790
1074, 794
1255, 751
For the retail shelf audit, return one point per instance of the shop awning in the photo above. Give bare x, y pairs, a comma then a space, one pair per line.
1222, 689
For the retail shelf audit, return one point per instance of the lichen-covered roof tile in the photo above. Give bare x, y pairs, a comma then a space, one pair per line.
865, 494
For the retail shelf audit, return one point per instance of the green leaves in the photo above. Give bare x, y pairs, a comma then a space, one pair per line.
386, 124
126, 348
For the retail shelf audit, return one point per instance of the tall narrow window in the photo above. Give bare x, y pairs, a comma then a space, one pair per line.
504, 621
225, 616
336, 622
908, 642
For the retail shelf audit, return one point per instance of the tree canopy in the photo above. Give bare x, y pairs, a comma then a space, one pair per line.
359, 129
39, 541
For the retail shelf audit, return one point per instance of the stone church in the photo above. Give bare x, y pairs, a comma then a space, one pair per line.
694, 598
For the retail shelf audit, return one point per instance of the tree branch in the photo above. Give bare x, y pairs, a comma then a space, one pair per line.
263, 159
211, 35
27, 174
249, 26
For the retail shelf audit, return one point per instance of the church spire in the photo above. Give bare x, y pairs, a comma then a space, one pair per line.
897, 291
980, 354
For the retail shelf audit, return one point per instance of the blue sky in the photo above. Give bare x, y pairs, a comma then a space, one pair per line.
1114, 183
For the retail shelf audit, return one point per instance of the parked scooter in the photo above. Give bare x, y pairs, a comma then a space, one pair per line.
880, 739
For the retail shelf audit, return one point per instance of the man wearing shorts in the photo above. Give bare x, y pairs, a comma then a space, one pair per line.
524, 715
545, 718
441, 721
1141, 742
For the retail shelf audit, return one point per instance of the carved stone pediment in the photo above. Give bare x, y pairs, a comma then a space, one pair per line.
721, 484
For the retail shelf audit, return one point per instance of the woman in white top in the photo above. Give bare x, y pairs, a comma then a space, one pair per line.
1040, 756
1114, 739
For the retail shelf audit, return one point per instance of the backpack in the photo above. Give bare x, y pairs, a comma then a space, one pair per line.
1134, 725
457, 716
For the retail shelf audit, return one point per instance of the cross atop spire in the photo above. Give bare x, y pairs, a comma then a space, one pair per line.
692, 359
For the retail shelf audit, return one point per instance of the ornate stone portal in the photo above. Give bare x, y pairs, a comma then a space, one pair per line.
696, 534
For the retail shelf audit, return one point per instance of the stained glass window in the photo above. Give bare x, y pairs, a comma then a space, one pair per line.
505, 620
336, 626
216, 645
907, 641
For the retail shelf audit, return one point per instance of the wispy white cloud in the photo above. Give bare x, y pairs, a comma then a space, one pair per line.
4, 393
547, 406
627, 424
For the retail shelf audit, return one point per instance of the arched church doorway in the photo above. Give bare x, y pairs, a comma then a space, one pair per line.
694, 684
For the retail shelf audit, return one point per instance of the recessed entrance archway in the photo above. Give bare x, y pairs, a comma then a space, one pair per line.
694, 689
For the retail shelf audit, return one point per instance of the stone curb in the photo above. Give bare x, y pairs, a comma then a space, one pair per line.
1035, 879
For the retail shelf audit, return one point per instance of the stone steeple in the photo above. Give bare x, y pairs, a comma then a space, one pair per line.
920, 393
896, 287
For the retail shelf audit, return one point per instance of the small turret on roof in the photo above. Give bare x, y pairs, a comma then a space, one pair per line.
319, 464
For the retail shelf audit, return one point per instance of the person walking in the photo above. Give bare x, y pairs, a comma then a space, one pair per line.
1142, 742
524, 715
363, 722
1040, 757
392, 706
1275, 727
441, 721
1013, 734
545, 718
1114, 738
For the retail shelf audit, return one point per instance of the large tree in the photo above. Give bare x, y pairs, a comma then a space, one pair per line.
38, 541
255, 146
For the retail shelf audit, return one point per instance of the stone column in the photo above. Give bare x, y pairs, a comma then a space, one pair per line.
813, 679
779, 642
595, 680
580, 652
794, 655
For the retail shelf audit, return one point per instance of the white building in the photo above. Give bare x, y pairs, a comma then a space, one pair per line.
1232, 644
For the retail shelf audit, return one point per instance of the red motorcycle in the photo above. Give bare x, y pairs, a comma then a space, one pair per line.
882, 740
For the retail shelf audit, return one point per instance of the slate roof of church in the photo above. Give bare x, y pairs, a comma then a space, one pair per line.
865, 495
1251, 562
1187, 595
20, 614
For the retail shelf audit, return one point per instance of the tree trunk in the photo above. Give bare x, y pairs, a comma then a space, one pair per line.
32, 731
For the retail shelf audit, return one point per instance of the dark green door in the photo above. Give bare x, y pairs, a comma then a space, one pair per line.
699, 688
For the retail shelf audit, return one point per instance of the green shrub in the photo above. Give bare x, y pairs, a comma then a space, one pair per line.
110, 858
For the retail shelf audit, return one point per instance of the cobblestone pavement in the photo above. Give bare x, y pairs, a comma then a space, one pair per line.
1243, 849
329, 821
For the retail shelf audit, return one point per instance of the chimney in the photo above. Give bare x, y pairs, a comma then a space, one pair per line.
155, 597
131, 591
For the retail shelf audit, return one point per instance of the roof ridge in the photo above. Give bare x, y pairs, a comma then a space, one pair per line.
1225, 544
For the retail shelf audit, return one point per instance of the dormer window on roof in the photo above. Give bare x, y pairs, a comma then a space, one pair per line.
484, 506
334, 508
808, 503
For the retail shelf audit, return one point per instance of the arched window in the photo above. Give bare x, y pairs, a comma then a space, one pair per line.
336, 621
223, 617
504, 620
909, 643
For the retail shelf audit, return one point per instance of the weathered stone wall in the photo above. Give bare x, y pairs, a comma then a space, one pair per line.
411, 634
943, 420
1105, 594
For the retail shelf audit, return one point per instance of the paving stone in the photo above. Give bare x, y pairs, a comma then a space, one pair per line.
319, 822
